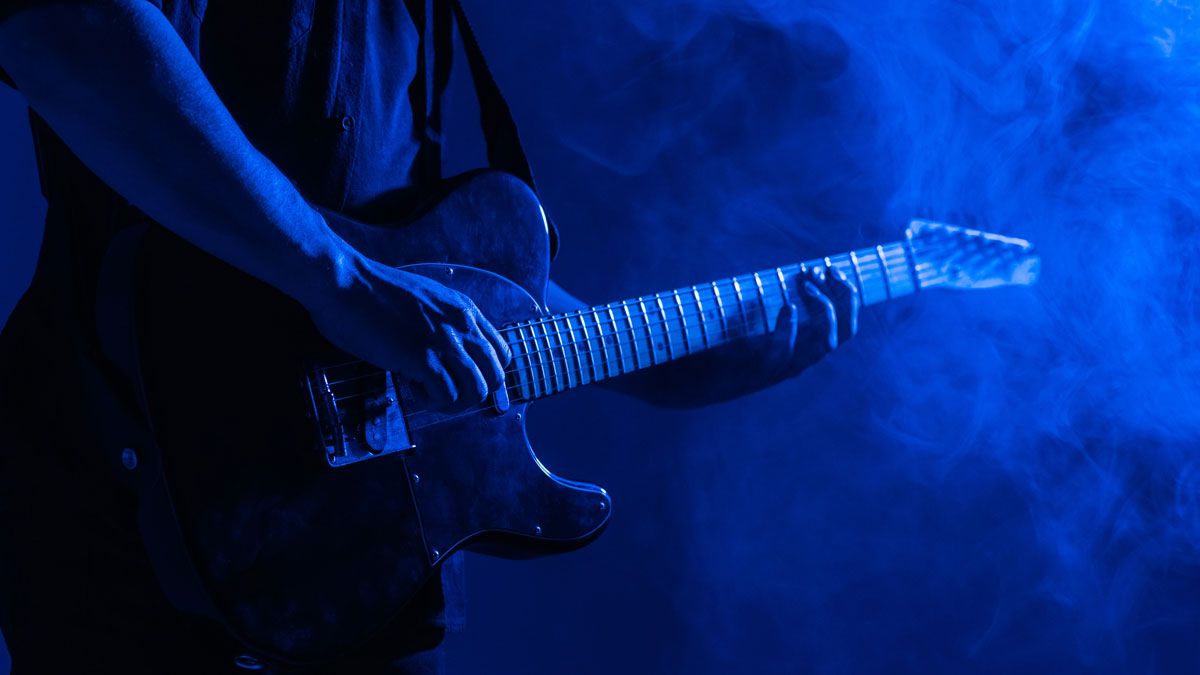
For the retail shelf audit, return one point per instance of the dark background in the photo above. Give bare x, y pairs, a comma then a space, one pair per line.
985, 482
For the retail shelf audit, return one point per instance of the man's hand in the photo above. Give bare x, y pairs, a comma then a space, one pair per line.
831, 304
417, 328
115, 81
804, 334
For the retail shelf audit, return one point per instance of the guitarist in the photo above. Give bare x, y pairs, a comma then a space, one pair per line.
225, 122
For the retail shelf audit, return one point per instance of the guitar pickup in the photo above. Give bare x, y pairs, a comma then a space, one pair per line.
359, 416
385, 430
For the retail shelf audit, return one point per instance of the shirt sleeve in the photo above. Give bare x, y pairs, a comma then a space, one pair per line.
7, 9
11, 7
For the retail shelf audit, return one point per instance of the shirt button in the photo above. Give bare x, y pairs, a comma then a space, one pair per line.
347, 122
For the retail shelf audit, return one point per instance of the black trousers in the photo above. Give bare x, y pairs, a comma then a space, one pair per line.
77, 593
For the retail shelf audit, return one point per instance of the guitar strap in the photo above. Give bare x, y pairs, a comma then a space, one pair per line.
119, 411
505, 152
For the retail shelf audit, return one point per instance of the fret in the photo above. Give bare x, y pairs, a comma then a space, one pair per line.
606, 360
572, 377
783, 287
858, 282
899, 275
536, 377
555, 383
841, 265
872, 288
637, 353
703, 319
911, 257
887, 285
578, 347
737, 289
612, 318
762, 299
662, 313
587, 341
687, 340
649, 332
517, 346
721, 311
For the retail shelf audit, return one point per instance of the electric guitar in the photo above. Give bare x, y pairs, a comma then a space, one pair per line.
302, 497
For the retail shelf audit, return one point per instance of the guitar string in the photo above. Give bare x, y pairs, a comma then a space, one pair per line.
619, 323
897, 270
546, 380
414, 418
557, 346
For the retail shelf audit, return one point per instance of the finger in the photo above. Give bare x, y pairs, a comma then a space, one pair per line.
499, 344
469, 383
845, 300
486, 360
783, 338
823, 317
436, 381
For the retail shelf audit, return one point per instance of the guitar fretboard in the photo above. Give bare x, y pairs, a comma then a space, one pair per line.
563, 351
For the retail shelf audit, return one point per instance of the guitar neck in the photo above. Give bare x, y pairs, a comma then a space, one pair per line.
572, 349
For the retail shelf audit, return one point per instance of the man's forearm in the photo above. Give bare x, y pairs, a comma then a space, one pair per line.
117, 84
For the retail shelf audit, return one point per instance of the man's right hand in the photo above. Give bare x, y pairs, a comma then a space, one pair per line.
416, 328
116, 82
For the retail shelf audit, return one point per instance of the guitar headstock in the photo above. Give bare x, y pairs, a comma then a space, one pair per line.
959, 257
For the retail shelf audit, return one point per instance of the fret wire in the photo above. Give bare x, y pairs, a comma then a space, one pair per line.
555, 383
762, 299
857, 272
529, 359
649, 331
783, 286
591, 353
737, 288
566, 358
887, 282
578, 352
605, 361
687, 340
911, 256
637, 353
721, 310
516, 360
617, 338
703, 319
662, 312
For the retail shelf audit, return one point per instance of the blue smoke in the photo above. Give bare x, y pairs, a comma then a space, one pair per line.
983, 482
1006, 481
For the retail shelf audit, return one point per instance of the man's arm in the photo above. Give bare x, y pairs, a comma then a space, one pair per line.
831, 304
113, 79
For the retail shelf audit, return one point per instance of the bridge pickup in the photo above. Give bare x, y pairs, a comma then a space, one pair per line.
359, 414
385, 428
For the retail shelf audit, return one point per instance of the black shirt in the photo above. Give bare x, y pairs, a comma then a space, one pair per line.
334, 92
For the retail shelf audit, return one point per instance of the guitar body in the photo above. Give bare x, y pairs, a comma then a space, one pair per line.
302, 560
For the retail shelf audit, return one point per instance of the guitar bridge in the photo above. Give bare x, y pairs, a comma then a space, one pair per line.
358, 413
